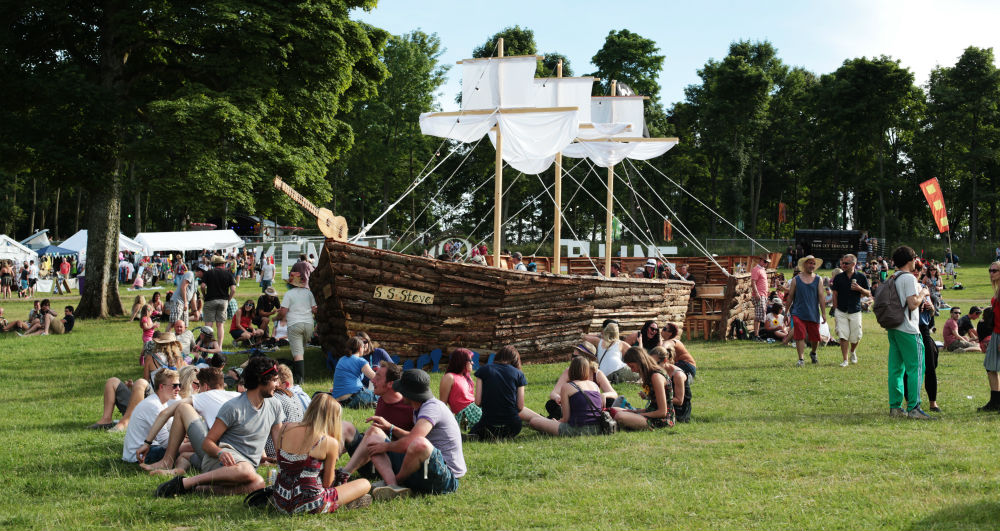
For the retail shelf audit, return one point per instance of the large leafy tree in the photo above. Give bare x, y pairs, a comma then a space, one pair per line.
214, 98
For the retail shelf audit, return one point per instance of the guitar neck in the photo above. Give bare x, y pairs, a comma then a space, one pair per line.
297, 197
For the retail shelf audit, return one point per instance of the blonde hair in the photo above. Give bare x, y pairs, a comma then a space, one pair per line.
663, 354
172, 351
162, 376
284, 376
137, 305
610, 333
188, 375
323, 418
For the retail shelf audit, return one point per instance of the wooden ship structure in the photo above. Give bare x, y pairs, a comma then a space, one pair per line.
413, 305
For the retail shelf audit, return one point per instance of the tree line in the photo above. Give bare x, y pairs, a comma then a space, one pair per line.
152, 115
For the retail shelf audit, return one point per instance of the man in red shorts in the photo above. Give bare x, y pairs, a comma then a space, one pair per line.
806, 308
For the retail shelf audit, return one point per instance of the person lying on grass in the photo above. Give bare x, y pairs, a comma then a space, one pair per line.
167, 390
581, 402
176, 456
229, 453
657, 387
307, 460
426, 459
586, 350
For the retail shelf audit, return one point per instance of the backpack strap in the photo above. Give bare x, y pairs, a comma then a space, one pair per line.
589, 403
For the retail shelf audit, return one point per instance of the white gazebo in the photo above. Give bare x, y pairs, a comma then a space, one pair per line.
10, 249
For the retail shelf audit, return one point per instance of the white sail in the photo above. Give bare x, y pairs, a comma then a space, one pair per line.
605, 154
498, 82
619, 109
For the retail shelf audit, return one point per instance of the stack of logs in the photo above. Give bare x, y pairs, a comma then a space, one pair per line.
541, 314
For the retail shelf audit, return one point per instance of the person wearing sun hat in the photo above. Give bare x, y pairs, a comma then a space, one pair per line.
806, 296
649, 271
428, 458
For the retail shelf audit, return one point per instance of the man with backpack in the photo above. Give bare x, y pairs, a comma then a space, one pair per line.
896, 309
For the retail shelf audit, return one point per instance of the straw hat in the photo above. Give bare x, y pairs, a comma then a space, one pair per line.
805, 259
168, 337
218, 260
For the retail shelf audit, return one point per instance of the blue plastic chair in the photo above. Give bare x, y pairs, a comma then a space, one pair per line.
407, 365
422, 360
435, 359
395, 359
475, 361
490, 360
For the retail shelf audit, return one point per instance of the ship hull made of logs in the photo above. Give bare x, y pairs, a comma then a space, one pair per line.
543, 315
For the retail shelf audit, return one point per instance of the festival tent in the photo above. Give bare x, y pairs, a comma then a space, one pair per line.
37, 240
152, 242
78, 243
55, 250
11, 250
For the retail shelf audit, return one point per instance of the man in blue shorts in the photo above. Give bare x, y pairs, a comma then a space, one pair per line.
426, 459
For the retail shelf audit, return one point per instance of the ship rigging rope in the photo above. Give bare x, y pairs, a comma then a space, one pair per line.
566, 221
680, 223
635, 195
432, 200
706, 206
561, 210
420, 179
638, 233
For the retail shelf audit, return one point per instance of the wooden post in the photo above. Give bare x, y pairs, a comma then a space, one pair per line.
498, 182
557, 225
608, 236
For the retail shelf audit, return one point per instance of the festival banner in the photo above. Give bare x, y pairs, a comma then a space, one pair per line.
668, 230
782, 213
935, 199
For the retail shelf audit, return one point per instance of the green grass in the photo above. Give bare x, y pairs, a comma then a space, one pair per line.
770, 446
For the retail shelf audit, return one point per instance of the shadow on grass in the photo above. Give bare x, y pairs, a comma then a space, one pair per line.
978, 515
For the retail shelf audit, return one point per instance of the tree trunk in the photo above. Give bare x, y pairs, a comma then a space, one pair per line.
100, 291
973, 216
76, 223
55, 215
881, 202
138, 211
34, 202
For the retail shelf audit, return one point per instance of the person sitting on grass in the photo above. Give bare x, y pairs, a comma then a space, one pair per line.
953, 342
50, 323
658, 389
205, 347
347, 388
137, 304
774, 326
500, 394
241, 328
581, 400
167, 386
390, 407
307, 460
427, 459
292, 406
166, 352
229, 453
126, 396
985, 328
206, 403
609, 353
157, 304
458, 390
268, 305
679, 381
586, 350
670, 335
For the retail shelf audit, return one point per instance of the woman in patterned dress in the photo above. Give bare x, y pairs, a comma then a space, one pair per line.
307, 462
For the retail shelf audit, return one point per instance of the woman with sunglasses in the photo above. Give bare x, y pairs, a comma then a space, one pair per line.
992, 359
241, 328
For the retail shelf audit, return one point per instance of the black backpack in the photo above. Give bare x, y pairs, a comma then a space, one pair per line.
738, 330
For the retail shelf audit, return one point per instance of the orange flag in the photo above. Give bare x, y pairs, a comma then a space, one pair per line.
668, 230
935, 198
782, 213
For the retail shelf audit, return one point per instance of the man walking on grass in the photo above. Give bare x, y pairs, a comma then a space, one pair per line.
906, 347
218, 286
758, 285
807, 296
848, 287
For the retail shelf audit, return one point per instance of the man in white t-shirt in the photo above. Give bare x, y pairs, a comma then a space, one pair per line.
266, 274
32, 278
298, 307
166, 387
906, 348
176, 458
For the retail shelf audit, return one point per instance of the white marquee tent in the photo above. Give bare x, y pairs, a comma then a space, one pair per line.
78, 243
12, 250
152, 242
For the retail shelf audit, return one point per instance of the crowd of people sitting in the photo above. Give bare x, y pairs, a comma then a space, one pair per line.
187, 412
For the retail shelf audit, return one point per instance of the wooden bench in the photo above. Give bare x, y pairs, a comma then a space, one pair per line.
705, 314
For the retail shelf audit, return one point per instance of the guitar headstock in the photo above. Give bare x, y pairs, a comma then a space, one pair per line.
278, 182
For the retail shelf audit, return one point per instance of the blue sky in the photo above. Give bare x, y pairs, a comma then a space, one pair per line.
818, 36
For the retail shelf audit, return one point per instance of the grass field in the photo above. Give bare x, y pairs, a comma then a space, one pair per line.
770, 446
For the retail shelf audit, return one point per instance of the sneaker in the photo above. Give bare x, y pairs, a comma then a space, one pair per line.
935, 409
800, 363
360, 503
896, 412
174, 487
383, 492
845, 363
854, 357
918, 414
812, 356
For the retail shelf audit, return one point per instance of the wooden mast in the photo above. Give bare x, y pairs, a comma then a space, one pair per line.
557, 225
498, 182
608, 236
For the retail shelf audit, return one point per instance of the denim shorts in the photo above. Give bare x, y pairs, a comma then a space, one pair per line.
438, 480
361, 399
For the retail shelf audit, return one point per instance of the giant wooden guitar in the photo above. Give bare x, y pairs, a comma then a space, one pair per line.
334, 227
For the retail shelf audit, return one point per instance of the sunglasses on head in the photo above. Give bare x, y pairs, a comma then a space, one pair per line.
993, 270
